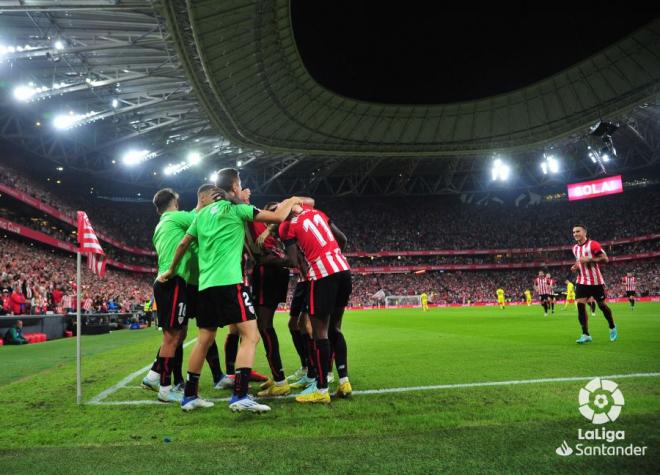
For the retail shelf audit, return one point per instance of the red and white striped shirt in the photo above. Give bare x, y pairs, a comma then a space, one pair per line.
541, 285
630, 283
590, 271
311, 229
551, 285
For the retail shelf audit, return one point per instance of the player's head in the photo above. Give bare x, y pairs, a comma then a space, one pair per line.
165, 200
271, 206
208, 193
579, 232
629, 274
547, 275
229, 181
541, 274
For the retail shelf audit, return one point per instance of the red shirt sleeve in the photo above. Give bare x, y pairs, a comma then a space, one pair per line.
596, 248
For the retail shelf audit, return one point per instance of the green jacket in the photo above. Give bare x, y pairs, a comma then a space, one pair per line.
14, 335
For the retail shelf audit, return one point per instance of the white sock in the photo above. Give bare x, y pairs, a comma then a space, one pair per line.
165, 389
280, 383
152, 375
323, 391
343, 380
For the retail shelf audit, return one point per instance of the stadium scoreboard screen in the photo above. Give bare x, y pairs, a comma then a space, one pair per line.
595, 188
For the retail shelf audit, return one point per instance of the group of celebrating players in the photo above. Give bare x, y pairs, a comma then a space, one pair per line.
203, 260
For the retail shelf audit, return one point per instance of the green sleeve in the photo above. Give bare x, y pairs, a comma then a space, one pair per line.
192, 229
184, 218
244, 212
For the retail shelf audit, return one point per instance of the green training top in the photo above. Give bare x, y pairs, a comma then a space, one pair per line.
220, 232
168, 234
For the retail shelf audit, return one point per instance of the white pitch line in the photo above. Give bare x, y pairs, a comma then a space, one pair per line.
424, 388
99, 397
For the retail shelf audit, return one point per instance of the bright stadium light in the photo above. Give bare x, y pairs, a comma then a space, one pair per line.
59, 45
550, 164
67, 121
194, 158
500, 170
239, 163
213, 177
133, 157
115, 103
24, 93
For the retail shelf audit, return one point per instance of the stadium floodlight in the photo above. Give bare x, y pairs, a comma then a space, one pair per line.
133, 157
605, 157
67, 121
24, 93
59, 45
194, 158
213, 177
239, 163
169, 170
550, 164
500, 170
115, 103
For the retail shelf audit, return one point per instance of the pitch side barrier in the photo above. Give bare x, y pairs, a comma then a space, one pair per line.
60, 325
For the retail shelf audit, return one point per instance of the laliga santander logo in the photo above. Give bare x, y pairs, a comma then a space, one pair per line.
601, 401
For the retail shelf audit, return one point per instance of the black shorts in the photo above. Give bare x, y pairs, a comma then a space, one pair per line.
171, 300
270, 285
586, 291
544, 297
299, 300
329, 293
630, 293
224, 305
192, 294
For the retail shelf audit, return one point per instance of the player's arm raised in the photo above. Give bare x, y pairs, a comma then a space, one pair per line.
281, 213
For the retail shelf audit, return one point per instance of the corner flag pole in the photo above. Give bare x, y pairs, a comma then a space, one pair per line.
78, 325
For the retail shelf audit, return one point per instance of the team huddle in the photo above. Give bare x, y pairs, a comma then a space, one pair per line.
203, 259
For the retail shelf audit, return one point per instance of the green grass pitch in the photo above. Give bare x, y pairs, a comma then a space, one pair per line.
507, 428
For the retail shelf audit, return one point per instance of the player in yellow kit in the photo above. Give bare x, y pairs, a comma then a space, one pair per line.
500, 298
425, 301
528, 297
570, 294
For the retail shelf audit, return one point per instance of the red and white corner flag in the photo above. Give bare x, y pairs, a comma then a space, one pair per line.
89, 245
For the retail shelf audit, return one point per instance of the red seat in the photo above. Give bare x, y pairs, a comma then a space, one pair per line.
1, 342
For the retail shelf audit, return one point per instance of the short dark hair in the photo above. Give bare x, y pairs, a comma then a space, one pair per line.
205, 187
163, 198
226, 178
271, 205
580, 226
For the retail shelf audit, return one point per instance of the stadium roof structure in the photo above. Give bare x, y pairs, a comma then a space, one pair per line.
226, 78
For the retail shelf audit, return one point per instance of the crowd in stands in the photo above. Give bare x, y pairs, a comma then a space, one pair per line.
130, 223
377, 224
35, 280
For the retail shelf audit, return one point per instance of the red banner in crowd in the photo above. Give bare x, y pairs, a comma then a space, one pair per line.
12, 227
41, 206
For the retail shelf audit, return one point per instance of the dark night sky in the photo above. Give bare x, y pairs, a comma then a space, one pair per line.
415, 52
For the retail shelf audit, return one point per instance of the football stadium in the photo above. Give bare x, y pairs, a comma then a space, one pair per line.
279, 236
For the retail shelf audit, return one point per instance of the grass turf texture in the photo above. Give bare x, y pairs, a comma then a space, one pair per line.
478, 429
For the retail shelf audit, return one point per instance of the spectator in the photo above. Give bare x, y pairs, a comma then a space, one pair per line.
14, 336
